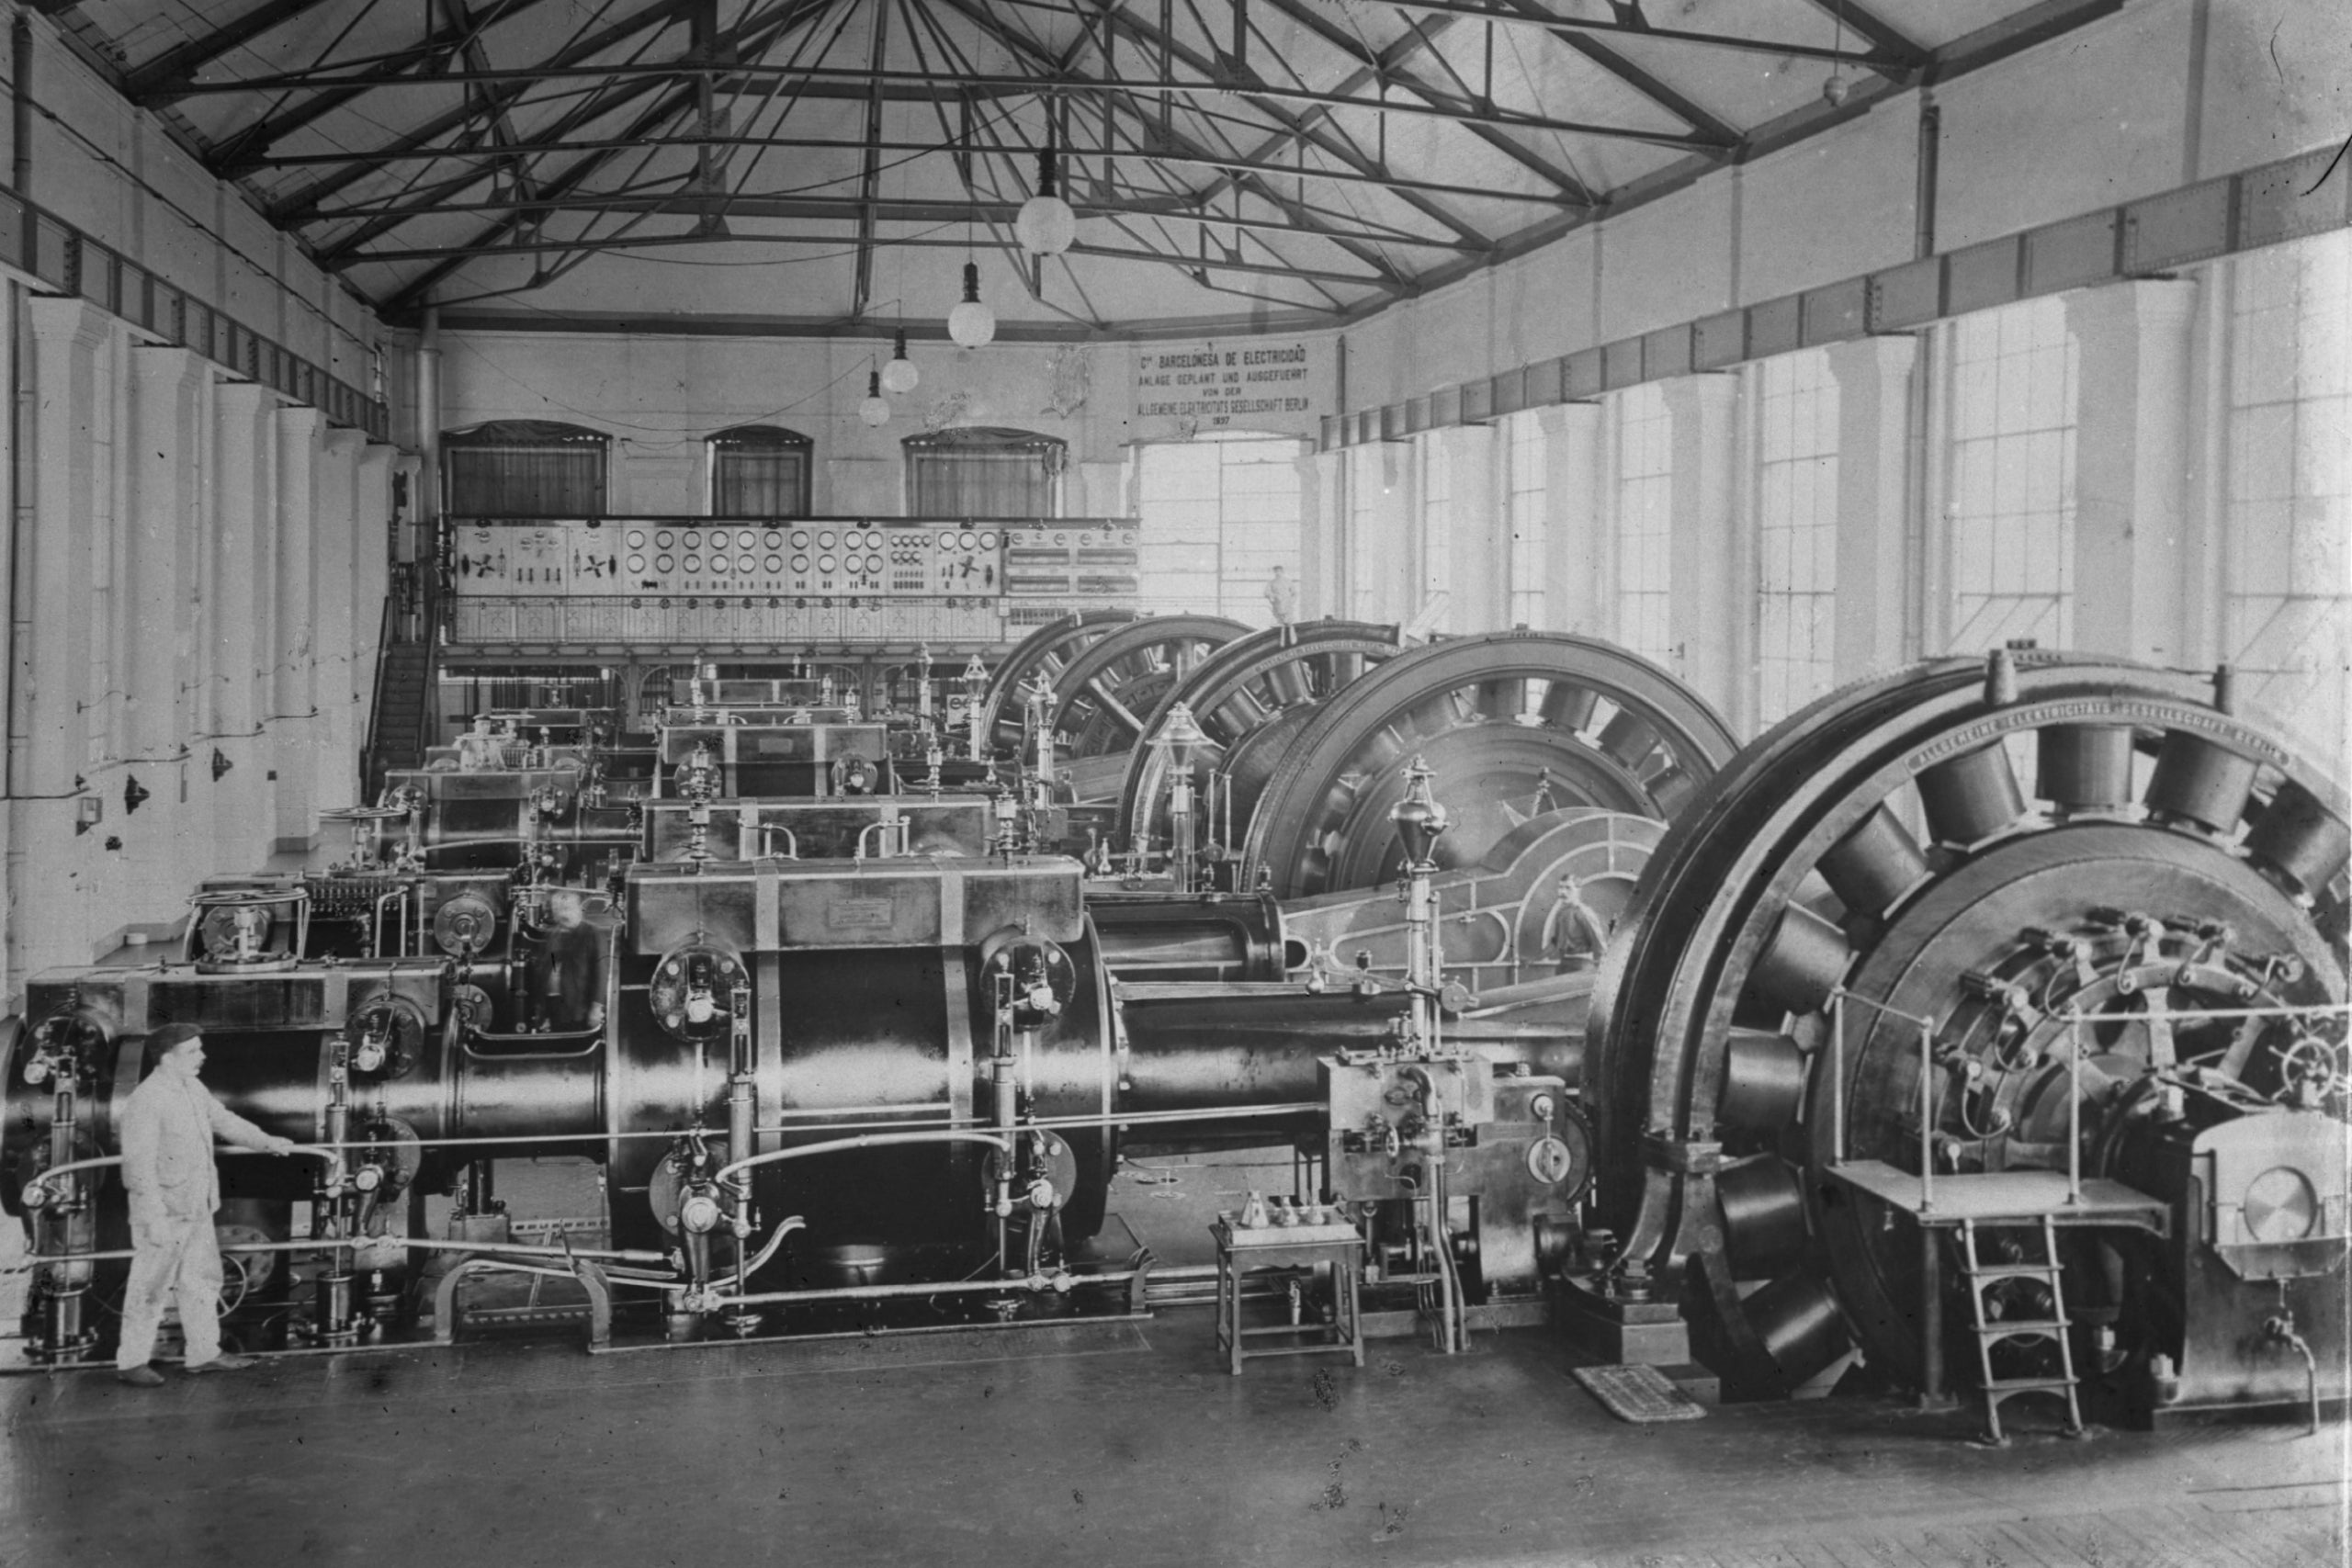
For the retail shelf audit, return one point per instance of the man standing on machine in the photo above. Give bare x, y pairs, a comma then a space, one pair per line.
567, 975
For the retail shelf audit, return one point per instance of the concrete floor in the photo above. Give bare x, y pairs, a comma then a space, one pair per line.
1117, 1443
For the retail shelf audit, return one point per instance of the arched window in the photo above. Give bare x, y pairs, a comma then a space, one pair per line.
984, 472
759, 471
524, 468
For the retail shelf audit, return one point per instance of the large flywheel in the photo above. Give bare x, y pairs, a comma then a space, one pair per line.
1511, 724
1273, 677
1989, 867
1043, 652
1104, 692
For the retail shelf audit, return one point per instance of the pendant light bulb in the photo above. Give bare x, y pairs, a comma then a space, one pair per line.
1045, 225
972, 323
875, 410
899, 376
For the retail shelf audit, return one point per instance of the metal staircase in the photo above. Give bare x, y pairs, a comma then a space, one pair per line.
403, 696
2050, 1323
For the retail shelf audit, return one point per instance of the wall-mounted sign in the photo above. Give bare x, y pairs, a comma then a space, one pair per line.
1279, 385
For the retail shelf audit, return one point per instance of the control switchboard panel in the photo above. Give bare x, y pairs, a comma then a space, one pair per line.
856, 557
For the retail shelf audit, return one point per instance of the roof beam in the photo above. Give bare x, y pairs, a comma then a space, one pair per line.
1299, 128
624, 243
863, 212
1883, 60
870, 177
1527, 159
1258, 184
150, 84
418, 141
1857, 17
227, 158
758, 27
742, 77
1651, 86
1130, 152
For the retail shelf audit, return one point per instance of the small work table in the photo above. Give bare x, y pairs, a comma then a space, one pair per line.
1245, 1251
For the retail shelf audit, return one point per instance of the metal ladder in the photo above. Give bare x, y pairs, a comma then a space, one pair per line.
1991, 1331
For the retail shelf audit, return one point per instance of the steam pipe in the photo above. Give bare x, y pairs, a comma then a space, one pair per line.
419, 1242
866, 1141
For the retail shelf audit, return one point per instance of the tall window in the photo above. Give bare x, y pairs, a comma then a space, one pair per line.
1436, 565
1796, 555
984, 472
525, 468
759, 471
1523, 494
1219, 514
2285, 591
1645, 520
2012, 501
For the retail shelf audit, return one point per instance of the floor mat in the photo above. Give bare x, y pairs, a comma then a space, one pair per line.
1639, 1394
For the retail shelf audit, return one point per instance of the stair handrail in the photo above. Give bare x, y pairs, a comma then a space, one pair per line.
372, 751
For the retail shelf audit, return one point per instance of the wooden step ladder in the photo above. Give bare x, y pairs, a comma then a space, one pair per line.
1992, 1331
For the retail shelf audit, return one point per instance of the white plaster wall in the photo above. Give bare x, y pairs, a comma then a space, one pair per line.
661, 397
1842, 203
159, 497
1666, 262
2090, 119
2163, 93
105, 167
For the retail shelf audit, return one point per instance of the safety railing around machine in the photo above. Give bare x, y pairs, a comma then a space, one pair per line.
2074, 1019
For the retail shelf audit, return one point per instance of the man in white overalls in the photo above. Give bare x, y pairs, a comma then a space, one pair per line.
168, 1125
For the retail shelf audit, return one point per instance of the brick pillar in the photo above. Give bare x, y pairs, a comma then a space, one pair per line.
295, 739
1576, 583
1712, 596
1873, 376
233, 732
1318, 495
1476, 539
54, 874
2132, 463
334, 520
370, 572
167, 506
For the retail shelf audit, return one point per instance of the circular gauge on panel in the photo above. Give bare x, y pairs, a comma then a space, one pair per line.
825, 540
664, 563
1086, 539
637, 563
775, 564
799, 539
800, 563
665, 538
1061, 538
637, 538
775, 540
987, 540
968, 540
746, 539
694, 563
825, 566
946, 541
